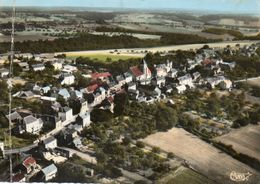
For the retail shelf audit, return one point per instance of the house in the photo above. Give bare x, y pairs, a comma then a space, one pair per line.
69, 69
84, 105
67, 79
121, 80
4, 72
63, 152
64, 93
185, 80
225, 84
25, 95
24, 65
38, 67
50, 143
68, 135
49, 172
162, 70
28, 165
45, 89
32, 125
65, 114
84, 119
75, 94
181, 88
91, 89
196, 75
132, 86
128, 77
214, 81
57, 65
158, 81
172, 73
15, 117
108, 104
101, 76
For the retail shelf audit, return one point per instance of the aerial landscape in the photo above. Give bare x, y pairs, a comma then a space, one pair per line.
140, 91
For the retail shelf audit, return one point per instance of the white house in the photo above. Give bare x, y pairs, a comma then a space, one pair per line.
181, 89
128, 77
32, 125
172, 73
49, 172
50, 143
57, 65
67, 79
69, 69
4, 72
84, 119
38, 67
65, 114
159, 81
185, 80
84, 106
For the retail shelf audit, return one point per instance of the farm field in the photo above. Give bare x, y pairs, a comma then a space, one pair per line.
103, 57
245, 140
203, 157
184, 175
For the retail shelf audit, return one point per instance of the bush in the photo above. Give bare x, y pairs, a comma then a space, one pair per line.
140, 144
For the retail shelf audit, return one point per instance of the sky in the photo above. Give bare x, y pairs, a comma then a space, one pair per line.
235, 6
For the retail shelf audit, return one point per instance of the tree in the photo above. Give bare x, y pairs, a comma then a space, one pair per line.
100, 115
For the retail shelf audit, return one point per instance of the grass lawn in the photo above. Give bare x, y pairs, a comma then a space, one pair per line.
103, 57
184, 175
16, 142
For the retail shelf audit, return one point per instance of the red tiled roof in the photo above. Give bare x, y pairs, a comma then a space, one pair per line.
29, 161
110, 99
99, 75
207, 62
92, 88
136, 71
18, 177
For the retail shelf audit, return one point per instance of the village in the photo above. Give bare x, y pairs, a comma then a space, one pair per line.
55, 131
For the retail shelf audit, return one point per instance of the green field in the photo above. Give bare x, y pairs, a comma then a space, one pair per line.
103, 57
184, 175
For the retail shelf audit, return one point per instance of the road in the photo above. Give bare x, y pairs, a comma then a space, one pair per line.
35, 144
84, 156
141, 51
248, 79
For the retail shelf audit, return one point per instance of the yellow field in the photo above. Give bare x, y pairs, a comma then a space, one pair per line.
102, 57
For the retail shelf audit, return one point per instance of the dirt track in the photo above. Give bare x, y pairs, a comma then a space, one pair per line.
202, 156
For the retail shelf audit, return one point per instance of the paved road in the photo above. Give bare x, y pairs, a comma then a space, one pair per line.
51, 133
249, 79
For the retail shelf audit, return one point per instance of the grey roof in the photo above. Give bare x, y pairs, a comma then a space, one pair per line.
38, 65
48, 140
64, 92
49, 169
23, 64
66, 109
15, 115
3, 70
29, 119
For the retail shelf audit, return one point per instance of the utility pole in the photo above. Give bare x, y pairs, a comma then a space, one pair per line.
10, 86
